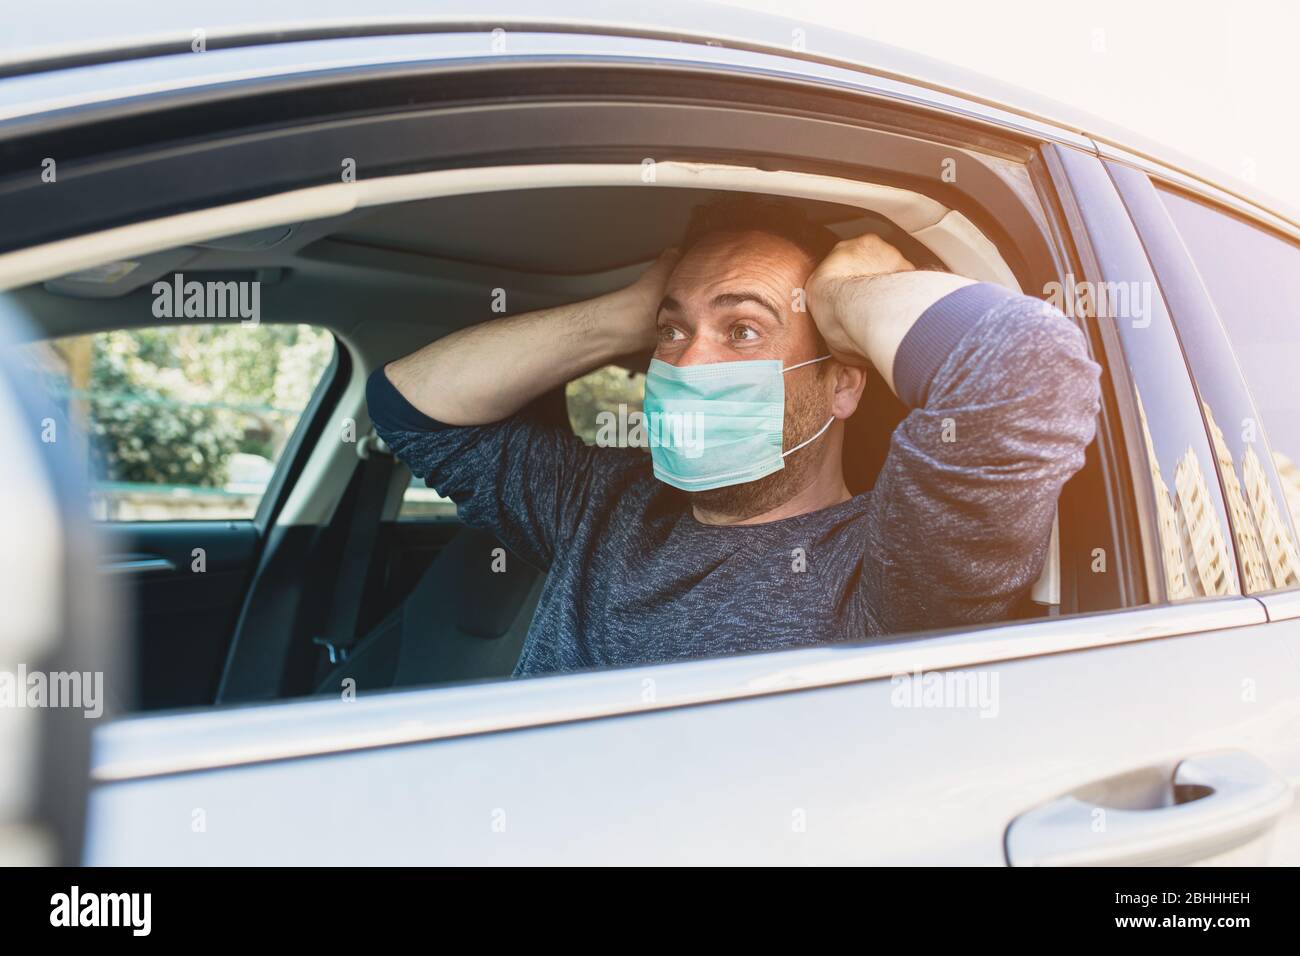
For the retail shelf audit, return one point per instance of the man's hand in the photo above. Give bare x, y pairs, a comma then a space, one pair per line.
837, 278
865, 296
639, 303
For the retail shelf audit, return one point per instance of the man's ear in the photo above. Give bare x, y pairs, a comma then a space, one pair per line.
849, 380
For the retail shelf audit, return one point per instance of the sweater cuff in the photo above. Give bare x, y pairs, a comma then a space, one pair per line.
934, 336
391, 412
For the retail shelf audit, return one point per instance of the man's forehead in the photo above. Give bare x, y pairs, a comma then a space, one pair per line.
730, 258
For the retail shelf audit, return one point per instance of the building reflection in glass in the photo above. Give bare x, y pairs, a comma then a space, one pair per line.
1197, 560
1196, 557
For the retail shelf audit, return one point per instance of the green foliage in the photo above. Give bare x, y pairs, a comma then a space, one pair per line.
602, 391
170, 405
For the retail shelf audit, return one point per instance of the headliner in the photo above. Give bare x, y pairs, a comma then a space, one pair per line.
547, 246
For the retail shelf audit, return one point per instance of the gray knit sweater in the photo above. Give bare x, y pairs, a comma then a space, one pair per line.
1003, 402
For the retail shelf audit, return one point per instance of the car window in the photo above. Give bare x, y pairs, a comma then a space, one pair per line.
600, 400
1253, 279
421, 502
185, 422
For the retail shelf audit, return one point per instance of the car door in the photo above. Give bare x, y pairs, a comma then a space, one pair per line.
1160, 732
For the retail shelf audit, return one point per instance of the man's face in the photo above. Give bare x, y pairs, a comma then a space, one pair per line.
732, 298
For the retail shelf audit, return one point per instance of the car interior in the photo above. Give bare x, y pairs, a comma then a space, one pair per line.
415, 257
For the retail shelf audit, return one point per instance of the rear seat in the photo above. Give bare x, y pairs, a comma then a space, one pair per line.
463, 621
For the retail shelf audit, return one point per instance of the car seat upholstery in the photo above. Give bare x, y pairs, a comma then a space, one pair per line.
462, 621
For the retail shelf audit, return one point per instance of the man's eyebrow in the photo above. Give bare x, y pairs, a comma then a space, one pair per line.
670, 303
736, 298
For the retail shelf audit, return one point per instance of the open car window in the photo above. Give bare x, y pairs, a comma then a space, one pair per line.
446, 586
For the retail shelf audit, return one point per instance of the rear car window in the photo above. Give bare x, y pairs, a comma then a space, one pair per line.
185, 422
1253, 279
602, 399
420, 502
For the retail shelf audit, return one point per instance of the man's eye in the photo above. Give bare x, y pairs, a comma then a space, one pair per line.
741, 333
667, 333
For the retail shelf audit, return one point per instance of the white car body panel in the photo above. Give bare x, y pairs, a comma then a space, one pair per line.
831, 775
803, 757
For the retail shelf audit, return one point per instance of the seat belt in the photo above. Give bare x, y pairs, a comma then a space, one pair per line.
376, 469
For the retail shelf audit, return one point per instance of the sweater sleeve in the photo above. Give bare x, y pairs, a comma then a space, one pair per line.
526, 482
1004, 401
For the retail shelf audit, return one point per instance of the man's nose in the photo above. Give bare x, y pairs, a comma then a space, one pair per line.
703, 351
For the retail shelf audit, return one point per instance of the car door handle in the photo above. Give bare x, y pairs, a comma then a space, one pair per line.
1219, 801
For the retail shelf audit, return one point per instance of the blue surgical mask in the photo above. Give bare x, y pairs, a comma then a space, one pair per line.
720, 424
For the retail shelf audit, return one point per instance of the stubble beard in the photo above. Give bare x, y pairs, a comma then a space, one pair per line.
806, 411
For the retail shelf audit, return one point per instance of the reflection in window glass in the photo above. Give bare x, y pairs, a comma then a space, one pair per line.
1196, 557
1268, 555
185, 422
1253, 278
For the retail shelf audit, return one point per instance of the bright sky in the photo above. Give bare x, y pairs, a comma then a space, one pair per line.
1217, 81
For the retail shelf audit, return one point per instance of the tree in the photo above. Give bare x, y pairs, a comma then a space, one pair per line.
170, 405
602, 391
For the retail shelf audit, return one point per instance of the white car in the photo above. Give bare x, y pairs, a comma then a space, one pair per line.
379, 183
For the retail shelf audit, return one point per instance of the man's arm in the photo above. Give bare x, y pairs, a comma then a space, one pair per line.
448, 412
1004, 400
487, 372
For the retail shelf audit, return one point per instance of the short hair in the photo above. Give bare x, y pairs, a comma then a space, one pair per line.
743, 213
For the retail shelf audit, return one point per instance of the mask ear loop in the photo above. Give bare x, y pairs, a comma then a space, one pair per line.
819, 434
802, 364
829, 421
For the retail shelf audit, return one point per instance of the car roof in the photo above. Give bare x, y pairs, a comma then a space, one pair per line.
36, 42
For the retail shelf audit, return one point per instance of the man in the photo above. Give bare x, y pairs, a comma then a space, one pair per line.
737, 532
